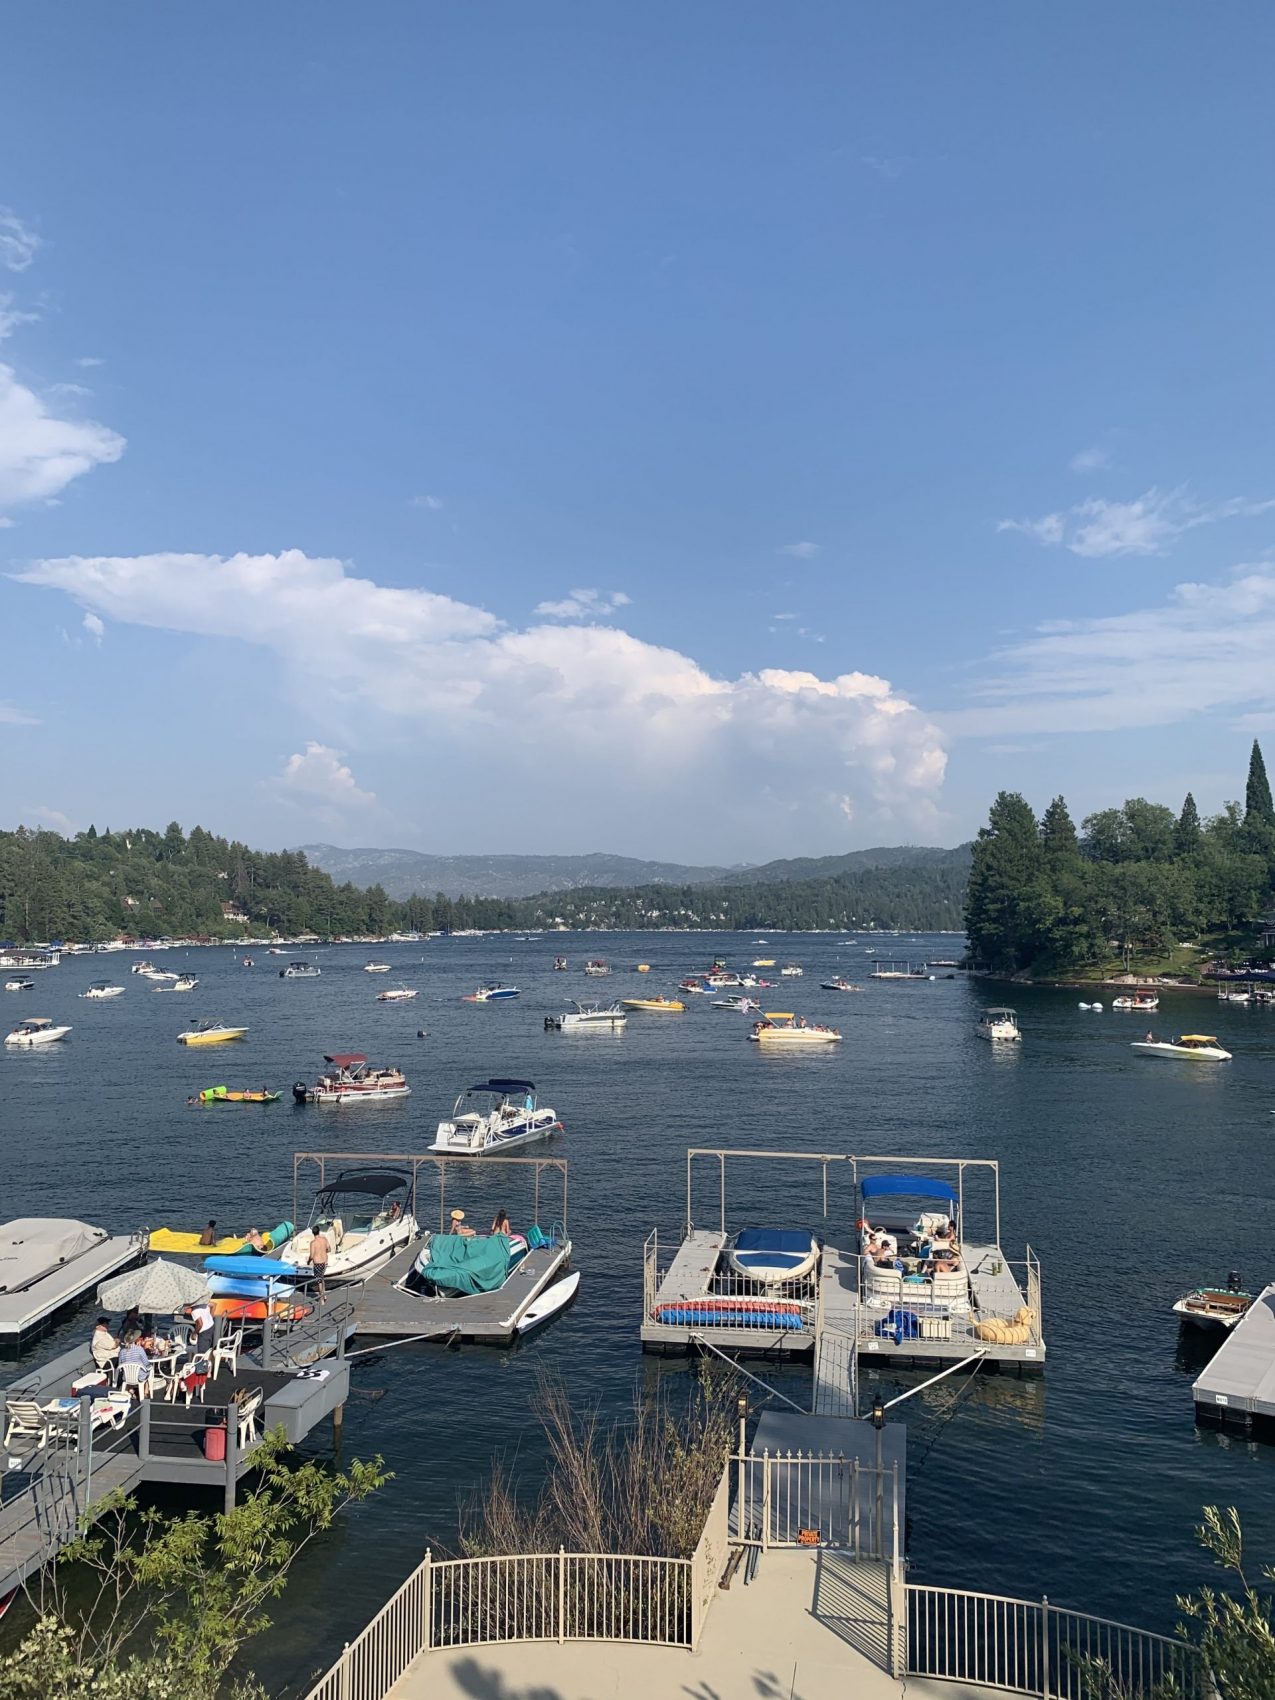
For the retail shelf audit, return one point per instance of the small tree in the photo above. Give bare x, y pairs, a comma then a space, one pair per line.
170, 1603
1236, 1632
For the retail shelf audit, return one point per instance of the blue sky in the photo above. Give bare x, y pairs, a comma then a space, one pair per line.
718, 432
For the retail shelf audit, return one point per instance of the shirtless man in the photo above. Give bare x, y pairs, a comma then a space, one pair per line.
320, 1251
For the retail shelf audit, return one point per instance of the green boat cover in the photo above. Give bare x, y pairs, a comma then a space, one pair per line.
468, 1264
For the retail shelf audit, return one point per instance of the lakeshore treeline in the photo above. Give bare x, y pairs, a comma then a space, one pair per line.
1045, 898
145, 883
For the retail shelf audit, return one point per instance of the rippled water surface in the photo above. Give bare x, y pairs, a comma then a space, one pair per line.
1131, 1178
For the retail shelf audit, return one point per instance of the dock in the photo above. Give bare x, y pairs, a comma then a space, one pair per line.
1237, 1388
384, 1310
27, 1306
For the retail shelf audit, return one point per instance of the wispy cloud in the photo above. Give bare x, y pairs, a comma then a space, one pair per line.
319, 775
433, 503
783, 616
1090, 460
87, 360
11, 317
804, 551
11, 715
1144, 526
18, 242
889, 166
44, 816
585, 605
41, 453
94, 626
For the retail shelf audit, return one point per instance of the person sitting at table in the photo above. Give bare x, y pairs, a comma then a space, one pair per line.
133, 1352
104, 1346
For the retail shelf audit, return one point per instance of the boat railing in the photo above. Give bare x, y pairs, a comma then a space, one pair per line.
739, 1301
969, 1315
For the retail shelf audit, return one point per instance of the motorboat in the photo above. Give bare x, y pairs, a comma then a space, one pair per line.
274, 950
1215, 1308
656, 1006
1136, 1000
587, 1017
1000, 1025
376, 967
224, 1095
300, 971
1202, 1046
882, 970
751, 981
20, 986
494, 1115
349, 1080
791, 971
1226, 996
144, 967
763, 962
456, 1276
248, 962
397, 994
772, 1256
210, 1033
737, 1002
782, 1028
181, 983
720, 980
693, 988
103, 989
160, 975
838, 983
365, 1218
597, 966
559, 963
39, 1030
491, 994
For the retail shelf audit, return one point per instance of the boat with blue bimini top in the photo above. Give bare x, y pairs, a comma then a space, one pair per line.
493, 1116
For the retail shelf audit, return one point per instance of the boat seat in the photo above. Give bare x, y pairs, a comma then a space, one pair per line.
952, 1289
885, 1287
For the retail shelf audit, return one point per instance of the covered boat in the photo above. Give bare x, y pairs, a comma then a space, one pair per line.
349, 1080
772, 1255
494, 1115
455, 1264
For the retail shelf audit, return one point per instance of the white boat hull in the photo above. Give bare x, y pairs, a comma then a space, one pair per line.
485, 1135
360, 1259
550, 1302
1197, 1053
46, 1036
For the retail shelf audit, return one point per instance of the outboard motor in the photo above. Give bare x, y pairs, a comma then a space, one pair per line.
1233, 1282
300, 1091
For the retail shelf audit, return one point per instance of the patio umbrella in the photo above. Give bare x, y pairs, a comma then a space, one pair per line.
159, 1289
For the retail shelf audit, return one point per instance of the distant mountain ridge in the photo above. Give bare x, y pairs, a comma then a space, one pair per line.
407, 873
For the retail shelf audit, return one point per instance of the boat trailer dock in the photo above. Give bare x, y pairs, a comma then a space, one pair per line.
1237, 1387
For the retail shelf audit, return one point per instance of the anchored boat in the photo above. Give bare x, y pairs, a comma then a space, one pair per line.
300, 971
783, 1028
1000, 1025
349, 1080
838, 983
39, 1030
20, 986
1136, 1000
491, 994
588, 1017
493, 1116
103, 989
657, 1006
1200, 1046
1215, 1308
490, 1286
772, 1256
210, 1033
396, 994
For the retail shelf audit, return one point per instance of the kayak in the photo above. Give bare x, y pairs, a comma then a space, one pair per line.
254, 1310
240, 1287
251, 1266
222, 1095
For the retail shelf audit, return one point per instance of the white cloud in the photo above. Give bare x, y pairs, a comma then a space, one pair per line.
49, 817
585, 605
804, 551
1090, 460
433, 503
618, 726
94, 627
1206, 649
318, 774
13, 716
88, 360
889, 166
11, 317
783, 616
1145, 526
18, 243
40, 453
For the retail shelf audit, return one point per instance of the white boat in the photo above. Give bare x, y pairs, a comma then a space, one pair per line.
587, 1017
791, 971
1201, 1046
491, 994
1136, 1000
1215, 1308
494, 1115
1225, 996
597, 966
720, 980
350, 1081
365, 1219
456, 1276
39, 1030
103, 989
396, 994
772, 1256
47, 1263
143, 967
152, 973
550, 1302
376, 967
782, 1028
19, 985
839, 983
693, 988
1000, 1025
742, 1004
300, 971
180, 983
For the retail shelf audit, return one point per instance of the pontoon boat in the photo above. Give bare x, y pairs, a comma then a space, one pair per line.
300, 971
351, 1081
999, 1025
609, 1018
781, 1027
494, 1115
1136, 1000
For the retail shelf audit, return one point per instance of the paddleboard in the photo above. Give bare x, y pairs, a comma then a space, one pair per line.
549, 1303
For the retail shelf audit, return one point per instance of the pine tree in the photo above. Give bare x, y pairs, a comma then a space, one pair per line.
1003, 911
1186, 834
1258, 806
1058, 833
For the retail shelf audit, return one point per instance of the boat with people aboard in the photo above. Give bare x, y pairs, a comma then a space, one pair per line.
491, 994
693, 988
839, 983
179, 983
1137, 1000
559, 964
103, 989
300, 971
721, 979
494, 1115
1215, 1308
210, 1033
597, 966
19, 985
587, 1017
349, 1080
791, 971
737, 1001
999, 1024
772, 1256
783, 1028
656, 1006
376, 967
1202, 1047
38, 1030
224, 1095
397, 994
146, 966
491, 1286
364, 1216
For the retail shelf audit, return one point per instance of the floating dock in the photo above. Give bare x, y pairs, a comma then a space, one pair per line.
1237, 1389
383, 1310
28, 1302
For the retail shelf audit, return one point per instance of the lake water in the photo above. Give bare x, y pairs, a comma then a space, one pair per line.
1133, 1179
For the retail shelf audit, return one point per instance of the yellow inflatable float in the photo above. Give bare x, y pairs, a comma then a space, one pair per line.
1007, 1331
168, 1239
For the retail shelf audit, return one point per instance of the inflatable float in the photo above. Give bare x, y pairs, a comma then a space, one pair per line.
729, 1313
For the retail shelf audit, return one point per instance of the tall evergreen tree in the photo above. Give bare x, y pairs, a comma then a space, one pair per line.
1058, 833
1258, 805
1186, 834
1001, 912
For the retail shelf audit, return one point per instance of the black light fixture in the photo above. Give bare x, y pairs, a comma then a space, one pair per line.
878, 1413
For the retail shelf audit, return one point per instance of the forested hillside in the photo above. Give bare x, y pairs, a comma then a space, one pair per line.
1044, 898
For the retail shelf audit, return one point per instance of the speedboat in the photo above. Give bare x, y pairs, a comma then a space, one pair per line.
1215, 1307
998, 1024
783, 1028
1225, 996
1136, 1000
300, 971
365, 1219
491, 994
742, 1004
719, 980
351, 1081
763, 962
21, 986
210, 1033
585, 1016
494, 1115
1202, 1046
692, 988
454, 1272
791, 971
772, 1256
181, 983
39, 1030
376, 967
597, 966
838, 984
158, 974
396, 994
657, 1006
144, 967
103, 989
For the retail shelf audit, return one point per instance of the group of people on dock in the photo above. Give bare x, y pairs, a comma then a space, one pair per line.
137, 1342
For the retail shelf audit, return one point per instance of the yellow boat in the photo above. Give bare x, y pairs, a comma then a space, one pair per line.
764, 962
210, 1033
169, 1239
664, 1006
644, 968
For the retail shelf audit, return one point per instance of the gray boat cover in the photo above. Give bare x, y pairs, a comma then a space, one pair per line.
33, 1246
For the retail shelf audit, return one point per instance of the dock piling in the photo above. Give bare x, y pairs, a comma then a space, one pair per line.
232, 1456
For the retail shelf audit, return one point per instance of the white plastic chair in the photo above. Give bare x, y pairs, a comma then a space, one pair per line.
137, 1379
248, 1418
27, 1421
226, 1352
181, 1382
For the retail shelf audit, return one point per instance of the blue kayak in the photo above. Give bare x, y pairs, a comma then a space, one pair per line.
251, 1266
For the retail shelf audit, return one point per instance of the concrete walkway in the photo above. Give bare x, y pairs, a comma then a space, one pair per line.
810, 1626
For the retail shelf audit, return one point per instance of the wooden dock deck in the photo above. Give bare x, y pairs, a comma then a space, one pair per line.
1237, 1388
383, 1310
